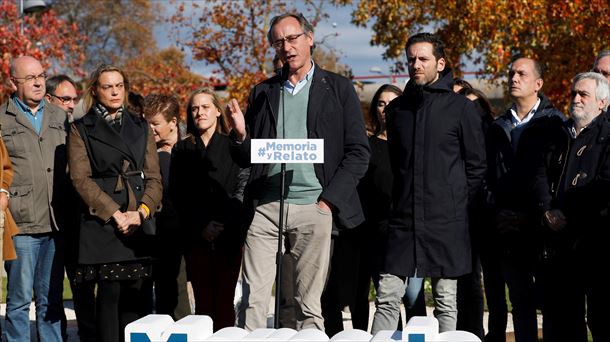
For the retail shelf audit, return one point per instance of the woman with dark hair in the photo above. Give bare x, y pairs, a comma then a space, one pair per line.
482, 104
205, 190
115, 169
169, 270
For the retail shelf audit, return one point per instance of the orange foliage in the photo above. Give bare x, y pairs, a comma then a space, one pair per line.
164, 72
47, 38
563, 36
232, 36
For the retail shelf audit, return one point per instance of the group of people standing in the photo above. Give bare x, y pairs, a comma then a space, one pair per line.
128, 202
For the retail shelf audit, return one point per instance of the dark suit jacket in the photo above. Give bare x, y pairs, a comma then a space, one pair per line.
333, 114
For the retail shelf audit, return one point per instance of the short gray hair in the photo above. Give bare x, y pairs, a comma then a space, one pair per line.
602, 89
305, 24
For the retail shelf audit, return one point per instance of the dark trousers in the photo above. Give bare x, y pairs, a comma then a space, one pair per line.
519, 272
342, 284
119, 303
470, 302
495, 292
83, 296
566, 303
213, 274
171, 295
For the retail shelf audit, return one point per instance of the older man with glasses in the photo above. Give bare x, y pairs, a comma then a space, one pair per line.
34, 132
303, 101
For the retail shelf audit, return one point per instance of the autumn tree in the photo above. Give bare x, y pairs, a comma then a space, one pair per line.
563, 35
121, 33
164, 72
231, 35
118, 30
45, 37
328, 59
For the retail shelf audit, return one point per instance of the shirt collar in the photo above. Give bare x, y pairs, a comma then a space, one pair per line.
308, 76
514, 118
25, 108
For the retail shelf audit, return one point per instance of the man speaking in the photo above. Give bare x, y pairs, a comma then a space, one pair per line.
303, 101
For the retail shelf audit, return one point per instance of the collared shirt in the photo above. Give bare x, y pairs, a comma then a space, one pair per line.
34, 118
294, 89
514, 119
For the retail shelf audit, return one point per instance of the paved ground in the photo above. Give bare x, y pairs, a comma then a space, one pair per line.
73, 337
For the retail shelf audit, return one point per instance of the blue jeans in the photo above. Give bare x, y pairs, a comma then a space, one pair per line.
414, 287
39, 268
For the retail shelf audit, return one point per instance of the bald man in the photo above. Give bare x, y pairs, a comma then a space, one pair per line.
34, 132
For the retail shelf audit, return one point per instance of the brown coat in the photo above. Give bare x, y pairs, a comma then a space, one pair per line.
10, 228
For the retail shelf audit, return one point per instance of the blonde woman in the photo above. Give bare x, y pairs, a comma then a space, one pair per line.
115, 169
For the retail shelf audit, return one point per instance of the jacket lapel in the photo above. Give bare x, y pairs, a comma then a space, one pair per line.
273, 97
101, 131
131, 133
319, 89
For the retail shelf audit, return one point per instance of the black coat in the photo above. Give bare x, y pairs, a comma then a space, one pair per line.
204, 187
333, 114
437, 153
508, 171
112, 171
574, 177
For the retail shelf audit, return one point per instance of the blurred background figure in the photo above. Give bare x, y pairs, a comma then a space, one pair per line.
62, 92
169, 269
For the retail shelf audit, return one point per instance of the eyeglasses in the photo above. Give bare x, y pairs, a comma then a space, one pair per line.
291, 39
32, 78
65, 99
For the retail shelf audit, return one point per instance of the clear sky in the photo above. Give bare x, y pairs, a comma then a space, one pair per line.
352, 43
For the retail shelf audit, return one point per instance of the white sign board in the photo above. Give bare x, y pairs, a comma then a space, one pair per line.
289, 151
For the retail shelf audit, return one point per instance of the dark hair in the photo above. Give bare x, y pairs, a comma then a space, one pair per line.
305, 25
135, 104
462, 83
438, 47
538, 68
373, 107
221, 125
54, 81
482, 102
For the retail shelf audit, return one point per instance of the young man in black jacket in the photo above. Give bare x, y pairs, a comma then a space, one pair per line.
304, 101
572, 188
437, 156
